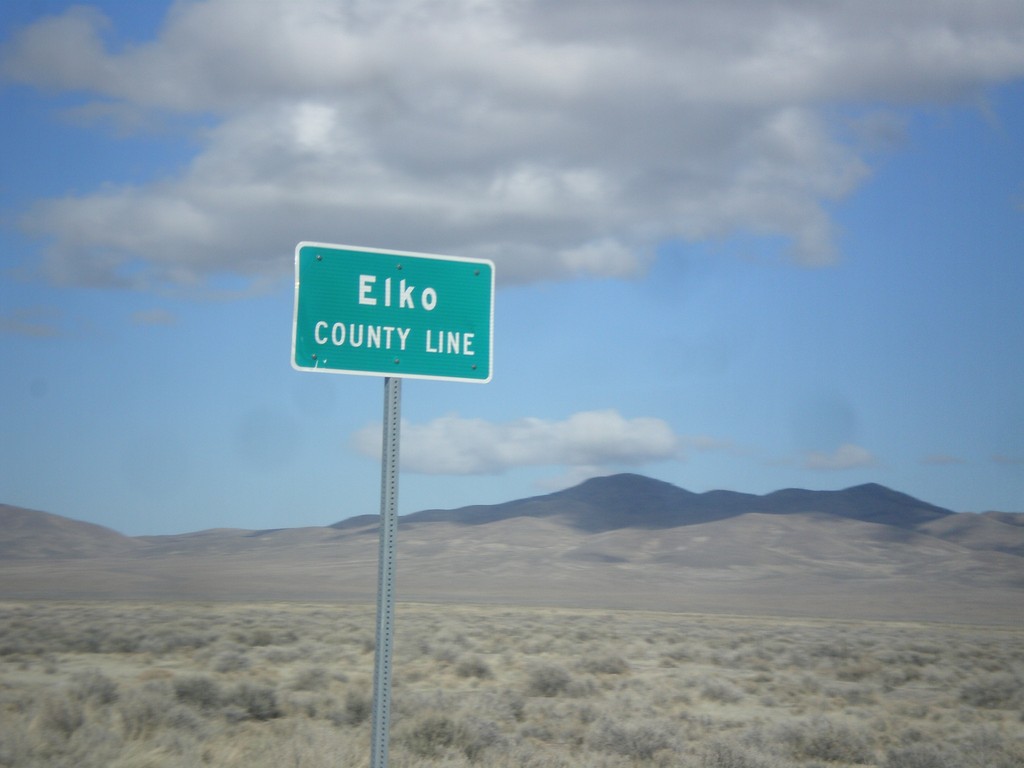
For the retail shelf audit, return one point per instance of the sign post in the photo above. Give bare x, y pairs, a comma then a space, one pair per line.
386, 573
398, 315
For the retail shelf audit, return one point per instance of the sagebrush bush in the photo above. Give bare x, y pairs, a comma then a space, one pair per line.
357, 708
256, 701
923, 756
433, 734
604, 665
637, 741
994, 691
231, 661
143, 711
199, 691
311, 679
548, 680
93, 686
61, 714
721, 691
721, 754
474, 666
171, 640
822, 738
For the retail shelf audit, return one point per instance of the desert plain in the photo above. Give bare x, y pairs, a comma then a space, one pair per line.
827, 638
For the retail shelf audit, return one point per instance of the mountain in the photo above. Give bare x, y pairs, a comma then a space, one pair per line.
634, 501
623, 541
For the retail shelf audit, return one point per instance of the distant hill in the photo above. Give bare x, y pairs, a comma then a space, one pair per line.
993, 531
624, 541
28, 534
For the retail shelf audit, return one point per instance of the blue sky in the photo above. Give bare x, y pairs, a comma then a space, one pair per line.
738, 245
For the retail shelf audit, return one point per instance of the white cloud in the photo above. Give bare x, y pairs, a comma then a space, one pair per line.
1009, 461
942, 459
846, 456
154, 317
587, 440
37, 322
558, 141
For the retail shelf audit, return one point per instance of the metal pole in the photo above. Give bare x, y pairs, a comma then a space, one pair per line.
386, 573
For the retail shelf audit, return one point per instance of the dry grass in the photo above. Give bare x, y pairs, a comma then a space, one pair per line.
94, 684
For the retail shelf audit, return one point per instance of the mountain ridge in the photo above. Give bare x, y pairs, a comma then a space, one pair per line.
610, 502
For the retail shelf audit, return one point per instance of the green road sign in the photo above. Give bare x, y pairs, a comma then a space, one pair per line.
392, 313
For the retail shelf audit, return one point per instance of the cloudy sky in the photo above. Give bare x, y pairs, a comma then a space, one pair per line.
745, 244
